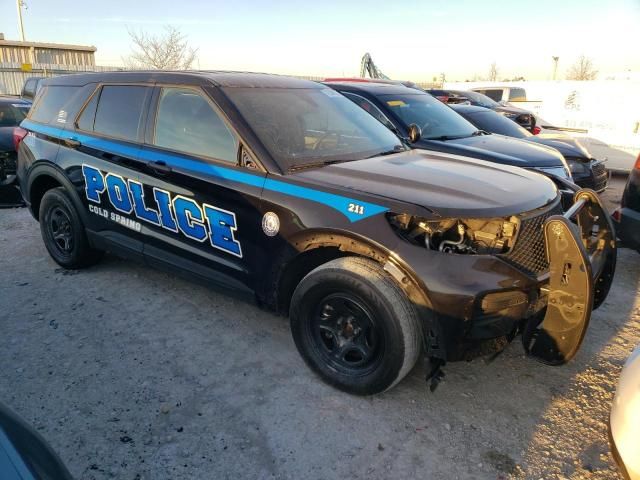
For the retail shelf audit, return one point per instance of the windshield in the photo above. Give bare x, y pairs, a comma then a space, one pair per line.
494, 122
435, 119
11, 114
308, 126
479, 99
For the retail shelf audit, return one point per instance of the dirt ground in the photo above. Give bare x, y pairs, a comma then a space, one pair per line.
134, 374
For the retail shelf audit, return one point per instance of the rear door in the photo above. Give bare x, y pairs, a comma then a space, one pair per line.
102, 150
203, 210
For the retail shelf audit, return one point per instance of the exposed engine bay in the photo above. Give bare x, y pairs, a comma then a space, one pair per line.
462, 236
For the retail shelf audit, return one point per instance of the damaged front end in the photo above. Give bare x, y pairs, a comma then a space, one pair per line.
581, 249
568, 258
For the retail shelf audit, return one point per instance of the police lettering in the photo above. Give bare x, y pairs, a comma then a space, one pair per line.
176, 214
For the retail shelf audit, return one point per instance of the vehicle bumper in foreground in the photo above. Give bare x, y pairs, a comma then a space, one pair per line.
624, 419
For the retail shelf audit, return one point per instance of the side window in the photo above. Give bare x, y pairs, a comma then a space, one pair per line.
517, 95
371, 109
119, 111
186, 122
493, 94
50, 104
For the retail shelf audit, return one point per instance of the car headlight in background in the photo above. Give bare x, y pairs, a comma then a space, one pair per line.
577, 167
559, 171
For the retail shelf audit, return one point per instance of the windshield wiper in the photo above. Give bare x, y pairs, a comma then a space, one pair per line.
395, 149
444, 138
305, 166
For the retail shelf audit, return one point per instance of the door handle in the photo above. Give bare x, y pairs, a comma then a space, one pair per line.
72, 142
159, 167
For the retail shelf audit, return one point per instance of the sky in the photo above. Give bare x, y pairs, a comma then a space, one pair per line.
412, 40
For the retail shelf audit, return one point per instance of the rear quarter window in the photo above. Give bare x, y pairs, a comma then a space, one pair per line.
50, 105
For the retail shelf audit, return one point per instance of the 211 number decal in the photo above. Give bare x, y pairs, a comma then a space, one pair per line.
357, 209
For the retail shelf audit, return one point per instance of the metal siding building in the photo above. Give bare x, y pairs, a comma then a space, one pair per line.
21, 60
12, 51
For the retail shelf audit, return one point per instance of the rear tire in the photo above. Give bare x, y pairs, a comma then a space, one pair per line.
354, 326
63, 231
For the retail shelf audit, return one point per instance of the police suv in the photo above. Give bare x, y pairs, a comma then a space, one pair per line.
286, 189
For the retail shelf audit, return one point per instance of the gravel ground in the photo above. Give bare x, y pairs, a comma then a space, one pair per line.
131, 373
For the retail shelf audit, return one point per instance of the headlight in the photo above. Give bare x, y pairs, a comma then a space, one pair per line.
557, 171
455, 235
577, 167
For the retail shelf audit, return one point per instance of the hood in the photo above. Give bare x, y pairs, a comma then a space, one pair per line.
498, 149
567, 146
448, 185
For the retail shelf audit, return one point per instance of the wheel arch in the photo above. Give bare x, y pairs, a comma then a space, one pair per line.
310, 249
44, 177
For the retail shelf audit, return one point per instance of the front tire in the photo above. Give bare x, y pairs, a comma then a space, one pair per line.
354, 326
63, 231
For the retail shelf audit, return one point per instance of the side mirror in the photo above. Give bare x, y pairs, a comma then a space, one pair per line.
414, 133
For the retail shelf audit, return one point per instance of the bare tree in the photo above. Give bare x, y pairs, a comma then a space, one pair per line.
493, 72
583, 69
168, 51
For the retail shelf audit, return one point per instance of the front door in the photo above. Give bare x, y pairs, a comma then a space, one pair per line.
200, 208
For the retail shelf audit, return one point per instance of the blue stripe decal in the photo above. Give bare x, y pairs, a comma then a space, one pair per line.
353, 209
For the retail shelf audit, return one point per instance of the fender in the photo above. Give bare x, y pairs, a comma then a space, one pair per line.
281, 279
283, 275
41, 169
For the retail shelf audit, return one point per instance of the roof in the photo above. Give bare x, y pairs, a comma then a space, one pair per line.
191, 77
56, 46
376, 88
468, 108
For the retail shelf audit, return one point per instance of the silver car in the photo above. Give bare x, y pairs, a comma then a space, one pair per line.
624, 423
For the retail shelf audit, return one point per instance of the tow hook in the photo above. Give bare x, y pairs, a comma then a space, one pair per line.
435, 374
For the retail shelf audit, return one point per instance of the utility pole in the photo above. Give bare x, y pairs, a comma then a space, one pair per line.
19, 4
555, 66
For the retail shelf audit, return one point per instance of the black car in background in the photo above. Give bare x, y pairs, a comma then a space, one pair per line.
627, 215
443, 130
31, 87
522, 117
12, 111
587, 172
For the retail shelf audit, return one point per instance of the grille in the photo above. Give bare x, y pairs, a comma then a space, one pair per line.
529, 254
598, 169
9, 164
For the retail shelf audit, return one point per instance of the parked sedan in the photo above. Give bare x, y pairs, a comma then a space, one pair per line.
627, 215
522, 117
586, 171
406, 110
12, 111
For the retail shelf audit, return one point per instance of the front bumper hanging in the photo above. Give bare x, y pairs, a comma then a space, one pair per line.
581, 250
